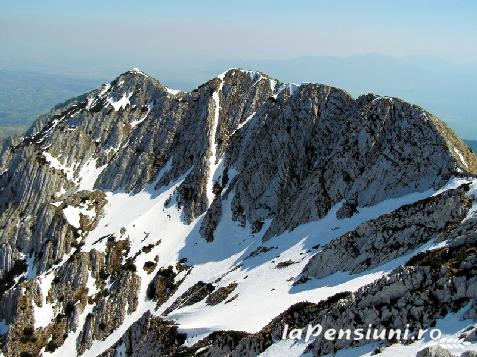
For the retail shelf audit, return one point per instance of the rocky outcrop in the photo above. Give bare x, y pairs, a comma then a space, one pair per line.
434, 351
149, 336
163, 285
221, 294
193, 295
361, 152
392, 235
432, 284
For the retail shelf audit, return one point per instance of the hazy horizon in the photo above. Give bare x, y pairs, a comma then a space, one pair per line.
423, 52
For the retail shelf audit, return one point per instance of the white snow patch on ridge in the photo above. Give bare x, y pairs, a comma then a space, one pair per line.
173, 91
85, 178
73, 214
213, 164
105, 89
461, 157
44, 315
88, 175
122, 103
136, 70
242, 124
293, 88
57, 165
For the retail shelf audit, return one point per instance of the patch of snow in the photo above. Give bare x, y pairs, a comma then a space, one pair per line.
461, 157
52, 127
472, 194
172, 91
57, 165
120, 351
242, 124
105, 89
31, 268
273, 85
73, 214
213, 160
289, 348
136, 70
91, 285
61, 192
380, 98
91, 102
140, 120
293, 88
88, 175
44, 315
280, 89
121, 103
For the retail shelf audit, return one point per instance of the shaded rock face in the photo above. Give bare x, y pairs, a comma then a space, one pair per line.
242, 145
221, 294
366, 150
162, 286
193, 295
148, 337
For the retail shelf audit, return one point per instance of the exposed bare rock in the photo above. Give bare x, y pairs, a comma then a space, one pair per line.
163, 286
469, 354
434, 351
148, 337
390, 236
109, 312
193, 295
221, 294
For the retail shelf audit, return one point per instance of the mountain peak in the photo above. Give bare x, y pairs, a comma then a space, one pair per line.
136, 70
135, 201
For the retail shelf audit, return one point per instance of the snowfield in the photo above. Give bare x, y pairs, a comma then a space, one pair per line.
264, 290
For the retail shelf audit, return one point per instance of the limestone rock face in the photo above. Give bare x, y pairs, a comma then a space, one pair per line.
262, 156
148, 337
390, 236
434, 351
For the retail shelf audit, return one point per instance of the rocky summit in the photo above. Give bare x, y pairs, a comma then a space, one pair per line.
137, 220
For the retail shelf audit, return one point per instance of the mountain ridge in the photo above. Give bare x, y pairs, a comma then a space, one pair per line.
128, 200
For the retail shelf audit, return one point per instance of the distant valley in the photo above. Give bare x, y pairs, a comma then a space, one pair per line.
24, 96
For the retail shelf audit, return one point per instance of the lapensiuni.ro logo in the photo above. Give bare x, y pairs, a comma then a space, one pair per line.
373, 334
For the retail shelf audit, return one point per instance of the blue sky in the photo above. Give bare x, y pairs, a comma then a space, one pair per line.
185, 42
93, 31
